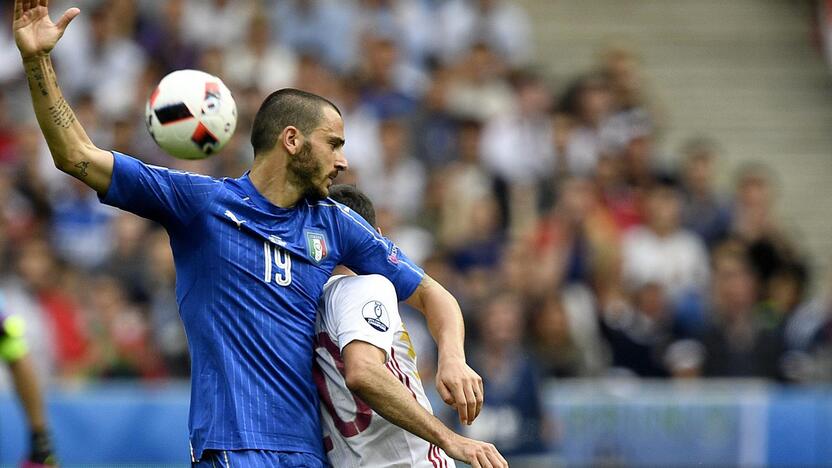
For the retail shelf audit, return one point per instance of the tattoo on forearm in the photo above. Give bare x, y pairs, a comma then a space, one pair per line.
36, 73
51, 72
62, 114
83, 167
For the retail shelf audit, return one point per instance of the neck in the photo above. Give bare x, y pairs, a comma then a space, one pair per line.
663, 231
270, 178
342, 270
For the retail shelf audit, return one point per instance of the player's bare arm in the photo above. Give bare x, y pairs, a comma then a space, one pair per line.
367, 377
457, 384
71, 148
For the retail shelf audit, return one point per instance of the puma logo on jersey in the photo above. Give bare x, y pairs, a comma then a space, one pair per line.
277, 240
231, 215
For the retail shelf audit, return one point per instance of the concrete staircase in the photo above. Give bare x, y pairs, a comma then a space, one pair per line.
741, 71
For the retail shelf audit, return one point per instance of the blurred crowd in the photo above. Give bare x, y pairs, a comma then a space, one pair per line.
574, 249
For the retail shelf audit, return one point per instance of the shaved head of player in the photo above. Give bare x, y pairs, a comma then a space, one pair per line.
297, 139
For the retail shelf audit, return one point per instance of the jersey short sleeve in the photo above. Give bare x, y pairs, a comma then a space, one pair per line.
362, 308
367, 252
164, 195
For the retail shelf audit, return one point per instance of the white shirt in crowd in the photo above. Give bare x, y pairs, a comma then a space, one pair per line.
678, 262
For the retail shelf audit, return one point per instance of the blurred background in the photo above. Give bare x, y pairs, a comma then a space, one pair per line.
631, 200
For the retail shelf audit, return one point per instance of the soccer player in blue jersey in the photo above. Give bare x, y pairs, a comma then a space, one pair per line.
252, 255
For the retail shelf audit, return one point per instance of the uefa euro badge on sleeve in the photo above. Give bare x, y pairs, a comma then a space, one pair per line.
316, 246
375, 314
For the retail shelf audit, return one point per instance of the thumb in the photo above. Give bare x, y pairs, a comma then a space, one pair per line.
68, 16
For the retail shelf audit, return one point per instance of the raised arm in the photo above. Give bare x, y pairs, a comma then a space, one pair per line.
457, 384
367, 377
71, 148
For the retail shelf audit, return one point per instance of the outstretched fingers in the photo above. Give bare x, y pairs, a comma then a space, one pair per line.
496, 457
18, 9
67, 17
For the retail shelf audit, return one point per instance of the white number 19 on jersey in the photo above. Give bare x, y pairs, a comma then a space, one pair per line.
282, 262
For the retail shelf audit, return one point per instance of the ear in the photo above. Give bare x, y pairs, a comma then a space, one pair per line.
378, 228
292, 139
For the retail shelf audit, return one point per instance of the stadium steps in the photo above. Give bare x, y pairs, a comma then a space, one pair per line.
741, 71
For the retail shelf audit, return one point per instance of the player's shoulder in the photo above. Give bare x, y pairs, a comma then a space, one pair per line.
355, 286
121, 159
368, 283
349, 297
330, 208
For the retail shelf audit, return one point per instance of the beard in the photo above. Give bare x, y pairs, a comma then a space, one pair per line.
303, 171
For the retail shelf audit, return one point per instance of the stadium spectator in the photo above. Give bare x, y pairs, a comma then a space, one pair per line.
81, 226
410, 22
587, 102
755, 222
736, 343
166, 328
577, 240
202, 28
434, 127
312, 26
461, 189
639, 333
101, 62
478, 89
804, 325
121, 346
392, 86
622, 201
662, 251
500, 23
808, 335
161, 35
512, 415
704, 211
631, 109
128, 260
399, 182
258, 62
565, 333
57, 326
516, 145
364, 148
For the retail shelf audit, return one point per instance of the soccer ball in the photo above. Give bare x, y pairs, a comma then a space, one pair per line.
191, 114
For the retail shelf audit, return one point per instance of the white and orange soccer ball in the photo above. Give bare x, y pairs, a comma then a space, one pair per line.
191, 114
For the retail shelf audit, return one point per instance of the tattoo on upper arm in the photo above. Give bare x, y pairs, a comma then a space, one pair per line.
62, 114
83, 167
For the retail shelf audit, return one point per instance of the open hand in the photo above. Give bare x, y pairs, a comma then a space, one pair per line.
34, 32
475, 453
460, 387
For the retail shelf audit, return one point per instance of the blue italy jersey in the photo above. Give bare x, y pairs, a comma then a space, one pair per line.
248, 278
